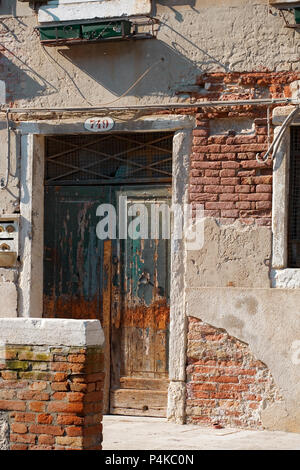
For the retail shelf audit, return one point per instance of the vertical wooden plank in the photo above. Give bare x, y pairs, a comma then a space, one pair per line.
116, 330
106, 307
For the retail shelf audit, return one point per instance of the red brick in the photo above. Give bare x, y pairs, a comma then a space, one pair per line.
25, 438
203, 197
75, 431
60, 386
199, 133
77, 368
207, 165
219, 205
229, 197
44, 418
227, 172
230, 181
46, 429
7, 394
206, 180
232, 213
220, 156
211, 173
217, 139
61, 407
69, 419
39, 447
37, 406
60, 366
60, 377
38, 386
12, 405
219, 189
75, 397
59, 395
230, 165
264, 205
243, 188
19, 428
45, 439
264, 188
18, 447
256, 197
78, 387
33, 395
226, 379
24, 417
9, 375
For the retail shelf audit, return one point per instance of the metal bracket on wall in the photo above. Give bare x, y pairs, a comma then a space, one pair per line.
87, 32
282, 13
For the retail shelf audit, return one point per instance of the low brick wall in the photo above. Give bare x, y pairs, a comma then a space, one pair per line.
51, 396
226, 384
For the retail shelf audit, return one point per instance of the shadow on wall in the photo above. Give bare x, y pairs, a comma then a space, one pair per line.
117, 66
22, 82
113, 66
172, 4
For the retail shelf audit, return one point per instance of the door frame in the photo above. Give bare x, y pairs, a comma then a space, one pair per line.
32, 226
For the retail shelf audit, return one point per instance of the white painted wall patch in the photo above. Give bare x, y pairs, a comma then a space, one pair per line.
67, 10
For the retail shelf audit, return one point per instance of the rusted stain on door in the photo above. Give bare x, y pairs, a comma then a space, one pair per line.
74, 278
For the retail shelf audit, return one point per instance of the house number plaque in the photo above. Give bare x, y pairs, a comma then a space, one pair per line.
99, 124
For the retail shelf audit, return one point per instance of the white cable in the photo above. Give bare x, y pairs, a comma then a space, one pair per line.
279, 137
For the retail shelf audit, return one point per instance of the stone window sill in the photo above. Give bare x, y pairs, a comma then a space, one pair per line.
288, 278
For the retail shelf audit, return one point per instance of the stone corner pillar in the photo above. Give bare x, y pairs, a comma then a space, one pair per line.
51, 384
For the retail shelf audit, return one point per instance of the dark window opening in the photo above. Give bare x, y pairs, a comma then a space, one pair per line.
109, 158
294, 201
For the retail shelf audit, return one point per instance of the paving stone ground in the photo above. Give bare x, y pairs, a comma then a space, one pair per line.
135, 433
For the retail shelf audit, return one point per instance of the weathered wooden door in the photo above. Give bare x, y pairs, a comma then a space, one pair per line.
140, 312
122, 282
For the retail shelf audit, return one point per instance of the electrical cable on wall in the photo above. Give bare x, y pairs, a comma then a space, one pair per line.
274, 146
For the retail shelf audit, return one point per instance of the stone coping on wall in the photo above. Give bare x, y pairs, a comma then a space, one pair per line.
52, 332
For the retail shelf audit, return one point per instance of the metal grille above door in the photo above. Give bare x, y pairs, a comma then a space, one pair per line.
294, 201
109, 158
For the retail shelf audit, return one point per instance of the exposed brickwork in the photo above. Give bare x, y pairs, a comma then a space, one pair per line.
53, 397
226, 177
247, 85
226, 385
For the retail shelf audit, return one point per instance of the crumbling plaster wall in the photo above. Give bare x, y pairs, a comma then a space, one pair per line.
194, 37
233, 255
269, 321
228, 280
